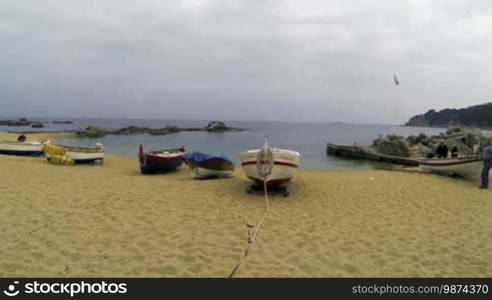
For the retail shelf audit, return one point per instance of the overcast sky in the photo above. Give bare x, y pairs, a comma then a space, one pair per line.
310, 60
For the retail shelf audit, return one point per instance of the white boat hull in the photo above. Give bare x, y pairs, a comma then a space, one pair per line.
463, 167
285, 166
21, 148
201, 173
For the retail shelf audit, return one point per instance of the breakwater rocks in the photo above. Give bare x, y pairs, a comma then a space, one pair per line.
407, 150
466, 141
19, 122
26, 122
97, 132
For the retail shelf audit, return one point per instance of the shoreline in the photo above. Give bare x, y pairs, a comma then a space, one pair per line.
37, 136
110, 221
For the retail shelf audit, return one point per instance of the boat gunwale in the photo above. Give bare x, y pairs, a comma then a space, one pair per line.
448, 162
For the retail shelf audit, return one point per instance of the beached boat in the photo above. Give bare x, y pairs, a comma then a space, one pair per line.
160, 161
78, 154
468, 167
205, 165
271, 165
22, 148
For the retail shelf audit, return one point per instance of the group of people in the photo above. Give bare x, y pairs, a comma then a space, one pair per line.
442, 151
485, 151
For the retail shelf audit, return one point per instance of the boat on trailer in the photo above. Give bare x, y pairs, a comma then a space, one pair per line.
467, 167
79, 155
204, 165
162, 161
271, 166
22, 148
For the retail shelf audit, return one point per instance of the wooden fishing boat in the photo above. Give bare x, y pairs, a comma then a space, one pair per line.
283, 165
162, 161
205, 165
78, 154
468, 167
22, 148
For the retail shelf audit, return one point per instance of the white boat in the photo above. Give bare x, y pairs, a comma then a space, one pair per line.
78, 154
468, 167
271, 165
22, 148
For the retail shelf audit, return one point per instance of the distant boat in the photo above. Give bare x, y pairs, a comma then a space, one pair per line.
468, 167
283, 163
160, 161
22, 148
37, 125
204, 165
395, 78
78, 154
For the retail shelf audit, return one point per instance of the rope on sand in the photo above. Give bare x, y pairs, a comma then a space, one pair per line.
264, 167
252, 237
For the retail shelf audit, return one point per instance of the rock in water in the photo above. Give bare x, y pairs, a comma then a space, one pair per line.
216, 126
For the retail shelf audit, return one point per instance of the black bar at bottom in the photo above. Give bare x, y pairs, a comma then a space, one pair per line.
319, 288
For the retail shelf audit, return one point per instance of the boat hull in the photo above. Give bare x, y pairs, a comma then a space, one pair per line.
201, 173
214, 167
20, 148
285, 166
79, 155
463, 167
152, 164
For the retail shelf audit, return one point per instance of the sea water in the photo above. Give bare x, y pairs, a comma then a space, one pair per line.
309, 139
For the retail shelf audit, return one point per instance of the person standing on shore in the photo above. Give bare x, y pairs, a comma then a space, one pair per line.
487, 163
442, 150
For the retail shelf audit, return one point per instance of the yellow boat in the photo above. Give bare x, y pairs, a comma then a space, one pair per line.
77, 154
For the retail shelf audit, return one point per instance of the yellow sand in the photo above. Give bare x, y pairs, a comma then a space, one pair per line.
36, 136
111, 221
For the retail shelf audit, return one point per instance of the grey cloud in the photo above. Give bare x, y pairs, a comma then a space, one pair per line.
257, 60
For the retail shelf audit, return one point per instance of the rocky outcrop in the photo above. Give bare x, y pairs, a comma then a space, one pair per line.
406, 151
475, 116
19, 122
465, 140
26, 122
97, 132
392, 145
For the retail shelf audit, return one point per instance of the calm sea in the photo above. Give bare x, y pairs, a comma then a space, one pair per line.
308, 138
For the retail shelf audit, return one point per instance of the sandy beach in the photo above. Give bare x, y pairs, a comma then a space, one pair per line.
108, 220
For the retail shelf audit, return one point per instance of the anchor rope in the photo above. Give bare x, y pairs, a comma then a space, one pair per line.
264, 165
252, 237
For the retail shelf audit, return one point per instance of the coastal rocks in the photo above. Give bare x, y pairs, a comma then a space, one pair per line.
406, 151
92, 132
392, 145
465, 140
19, 122
26, 122
216, 126
96, 132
